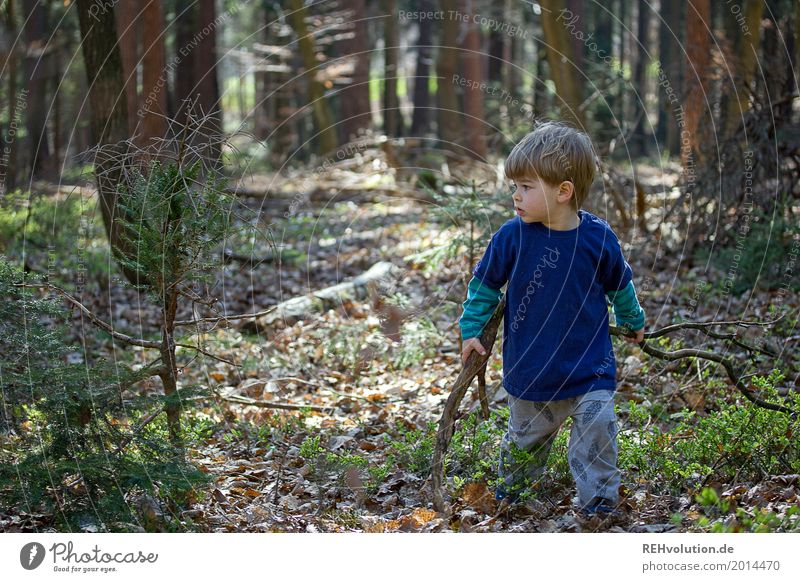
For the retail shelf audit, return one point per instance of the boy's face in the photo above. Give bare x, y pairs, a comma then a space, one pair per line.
535, 200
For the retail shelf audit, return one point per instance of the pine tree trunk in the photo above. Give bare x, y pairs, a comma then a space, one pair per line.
169, 377
207, 85
355, 106
109, 113
447, 69
669, 82
129, 31
154, 81
474, 114
698, 69
36, 81
497, 45
186, 20
639, 78
420, 122
744, 64
326, 133
514, 49
9, 163
392, 117
561, 60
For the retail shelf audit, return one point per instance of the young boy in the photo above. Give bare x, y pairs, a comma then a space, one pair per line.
560, 263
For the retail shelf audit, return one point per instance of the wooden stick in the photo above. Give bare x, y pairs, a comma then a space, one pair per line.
475, 363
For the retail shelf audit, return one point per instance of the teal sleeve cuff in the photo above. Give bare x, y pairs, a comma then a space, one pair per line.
478, 308
626, 307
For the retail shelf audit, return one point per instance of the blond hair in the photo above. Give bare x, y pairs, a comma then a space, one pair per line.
555, 152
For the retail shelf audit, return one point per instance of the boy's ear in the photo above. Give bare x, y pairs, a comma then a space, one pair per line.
565, 191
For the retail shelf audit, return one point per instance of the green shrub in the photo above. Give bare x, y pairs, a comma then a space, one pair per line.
74, 448
741, 441
759, 253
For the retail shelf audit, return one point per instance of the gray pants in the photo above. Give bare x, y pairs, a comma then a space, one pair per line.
532, 427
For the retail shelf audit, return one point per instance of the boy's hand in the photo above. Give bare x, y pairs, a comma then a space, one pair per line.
472, 343
637, 339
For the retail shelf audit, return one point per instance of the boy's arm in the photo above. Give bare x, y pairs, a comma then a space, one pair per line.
478, 308
626, 307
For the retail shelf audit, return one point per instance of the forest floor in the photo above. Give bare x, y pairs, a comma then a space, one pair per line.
366, 382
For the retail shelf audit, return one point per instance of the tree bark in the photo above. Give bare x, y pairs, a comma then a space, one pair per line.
109, 119
36, 120
474, 114
698, 69
8, 163
420, 122
745, 64
326, 133
129, 31
354, 99
186, 21
670, 86
447, 69
562, 62
639, 78
154, 81
392, 116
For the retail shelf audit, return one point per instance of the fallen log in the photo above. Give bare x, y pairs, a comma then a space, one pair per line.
297, 308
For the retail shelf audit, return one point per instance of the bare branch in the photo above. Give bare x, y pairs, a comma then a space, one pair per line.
93, 318
223, 318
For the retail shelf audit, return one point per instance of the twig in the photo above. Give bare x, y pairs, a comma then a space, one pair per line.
143, 423
279, 405
205, 353
224, 318
701, 325
93, 318
726, 363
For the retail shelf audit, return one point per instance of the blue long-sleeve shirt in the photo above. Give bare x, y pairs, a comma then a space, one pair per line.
556, 343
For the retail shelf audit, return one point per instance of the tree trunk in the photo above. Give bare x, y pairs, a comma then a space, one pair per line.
514, 49
326, 133
497, 45
698, 69
576, 7
169, 377
36, 121
561, 60
186, 21
109, 119
447, 70
392, 117
129, 31
474, 115
640, 80
356, 113
745, 63
8, 163
669, 83
154, 62
420, 122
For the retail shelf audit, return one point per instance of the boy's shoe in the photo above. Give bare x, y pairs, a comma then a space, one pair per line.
501, 494
602, 509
